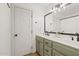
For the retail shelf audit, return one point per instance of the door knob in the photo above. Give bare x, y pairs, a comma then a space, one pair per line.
15, 35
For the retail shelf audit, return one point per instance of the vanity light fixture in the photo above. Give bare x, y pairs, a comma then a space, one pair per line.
62, 5
59, 7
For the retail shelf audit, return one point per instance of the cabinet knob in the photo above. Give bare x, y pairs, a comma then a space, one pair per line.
15, 35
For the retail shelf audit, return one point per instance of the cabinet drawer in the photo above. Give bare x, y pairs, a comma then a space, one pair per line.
47, 42
39, 38
65, 50
56, 53
47, 50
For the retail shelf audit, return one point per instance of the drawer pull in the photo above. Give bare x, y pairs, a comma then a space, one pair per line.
47, 43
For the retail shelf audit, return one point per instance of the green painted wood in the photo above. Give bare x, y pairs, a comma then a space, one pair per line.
39, 45
47, 42
39, 38
56, 53
41, 49
46, 54
47, 50
65, 50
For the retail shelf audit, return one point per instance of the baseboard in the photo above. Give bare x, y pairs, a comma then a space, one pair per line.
29, 53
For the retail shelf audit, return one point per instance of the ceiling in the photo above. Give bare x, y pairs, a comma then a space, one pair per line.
33, 5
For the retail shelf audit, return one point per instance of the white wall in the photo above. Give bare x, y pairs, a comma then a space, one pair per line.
38, 16
5, 29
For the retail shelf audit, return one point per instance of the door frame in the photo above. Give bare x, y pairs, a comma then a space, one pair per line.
13, 28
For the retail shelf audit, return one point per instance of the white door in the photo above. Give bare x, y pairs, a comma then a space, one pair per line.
22, 31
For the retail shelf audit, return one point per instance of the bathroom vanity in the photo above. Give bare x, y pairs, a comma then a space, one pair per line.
47, 47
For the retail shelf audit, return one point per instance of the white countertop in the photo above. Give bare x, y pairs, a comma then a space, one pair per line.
64, 39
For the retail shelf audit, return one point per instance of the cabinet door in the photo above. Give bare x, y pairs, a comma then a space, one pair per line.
41, 49
47, 42
37, 46
65, 50
47, 50
55, 53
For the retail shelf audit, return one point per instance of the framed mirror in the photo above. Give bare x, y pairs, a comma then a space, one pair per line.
68, 23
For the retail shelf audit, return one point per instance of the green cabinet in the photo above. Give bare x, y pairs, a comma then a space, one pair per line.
65, 50
47, 42
56, 53
46, 47
39, 45
41, 49
47, 50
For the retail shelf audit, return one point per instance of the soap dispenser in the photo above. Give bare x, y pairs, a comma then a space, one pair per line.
77, 38
72, 38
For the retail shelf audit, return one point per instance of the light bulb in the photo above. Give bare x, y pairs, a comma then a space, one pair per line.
64, 7
54, 8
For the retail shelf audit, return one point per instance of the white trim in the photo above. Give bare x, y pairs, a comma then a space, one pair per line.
12, 30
